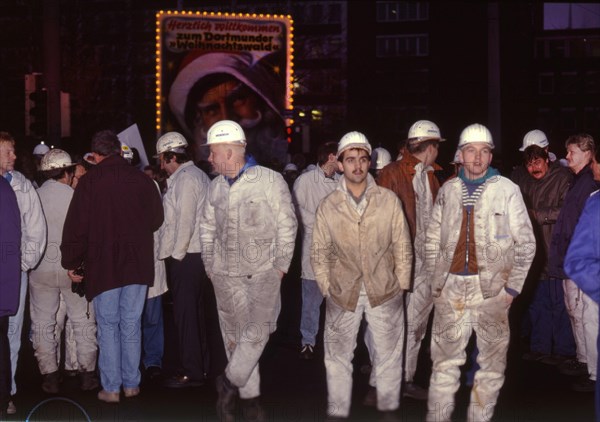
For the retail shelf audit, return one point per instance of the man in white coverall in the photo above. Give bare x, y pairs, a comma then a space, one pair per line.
412, 178
362, 264
179, 236
248, 233
49, 281
479, 248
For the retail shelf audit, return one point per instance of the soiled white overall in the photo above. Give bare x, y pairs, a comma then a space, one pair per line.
460, 310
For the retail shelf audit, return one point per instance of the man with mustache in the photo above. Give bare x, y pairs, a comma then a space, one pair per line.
362, 256
544, 190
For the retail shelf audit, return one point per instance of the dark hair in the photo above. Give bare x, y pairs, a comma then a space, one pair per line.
533, 152
341, 157
106, 143
324, 151
417, 148
57, 174
180, 157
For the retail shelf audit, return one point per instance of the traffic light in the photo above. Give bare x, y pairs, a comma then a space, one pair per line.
38, 112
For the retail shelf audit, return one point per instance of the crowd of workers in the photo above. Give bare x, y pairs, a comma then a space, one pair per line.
96, 242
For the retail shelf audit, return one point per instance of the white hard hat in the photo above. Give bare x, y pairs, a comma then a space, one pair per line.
353, 139
380, 158
290, 167
88, 157
171, 141
225, 132
424, 130
41, 149
126, 152
56, 159
456, 159
535, 137
475, 133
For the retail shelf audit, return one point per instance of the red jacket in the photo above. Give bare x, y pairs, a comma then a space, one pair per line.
109, 227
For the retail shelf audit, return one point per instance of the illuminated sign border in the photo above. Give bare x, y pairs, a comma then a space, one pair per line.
257, 16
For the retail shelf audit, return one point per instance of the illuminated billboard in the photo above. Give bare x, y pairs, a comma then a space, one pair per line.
215, 66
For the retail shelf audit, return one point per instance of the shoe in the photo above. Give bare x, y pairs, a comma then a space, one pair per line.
389, 416
534, 356
71, 373
182, 381
371, 397
252, 410
153, 373
11, 409
335, 418
88, 381
414, 391
584, 385
573, 367
554, 360
307, 352
131, 392
51, 382
227, 393
108, 397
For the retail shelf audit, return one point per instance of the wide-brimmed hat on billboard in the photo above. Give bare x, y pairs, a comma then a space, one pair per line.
261, 74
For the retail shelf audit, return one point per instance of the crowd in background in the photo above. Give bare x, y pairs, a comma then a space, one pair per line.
404, 243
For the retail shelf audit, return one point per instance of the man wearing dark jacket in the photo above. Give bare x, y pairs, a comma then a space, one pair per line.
109, 230
10, 278
544, 190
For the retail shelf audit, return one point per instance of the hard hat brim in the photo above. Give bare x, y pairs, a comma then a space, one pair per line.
354, 146
420, 139
240, 143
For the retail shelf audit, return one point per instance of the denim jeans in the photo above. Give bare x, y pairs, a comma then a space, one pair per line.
119, 319
15, 327
311, 310
152, 333
551, 331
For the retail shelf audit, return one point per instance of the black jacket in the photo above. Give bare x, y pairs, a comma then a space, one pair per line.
109, 227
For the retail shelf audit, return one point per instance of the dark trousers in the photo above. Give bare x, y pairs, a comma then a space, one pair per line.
5, 377
551, 331
188, 285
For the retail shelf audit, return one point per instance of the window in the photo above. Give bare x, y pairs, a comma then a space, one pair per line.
335, 13
312, 13
571, 15
311, 47
592, 82
568, 83
546, 83
402, 11
591, 119
402, 45
568, 119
